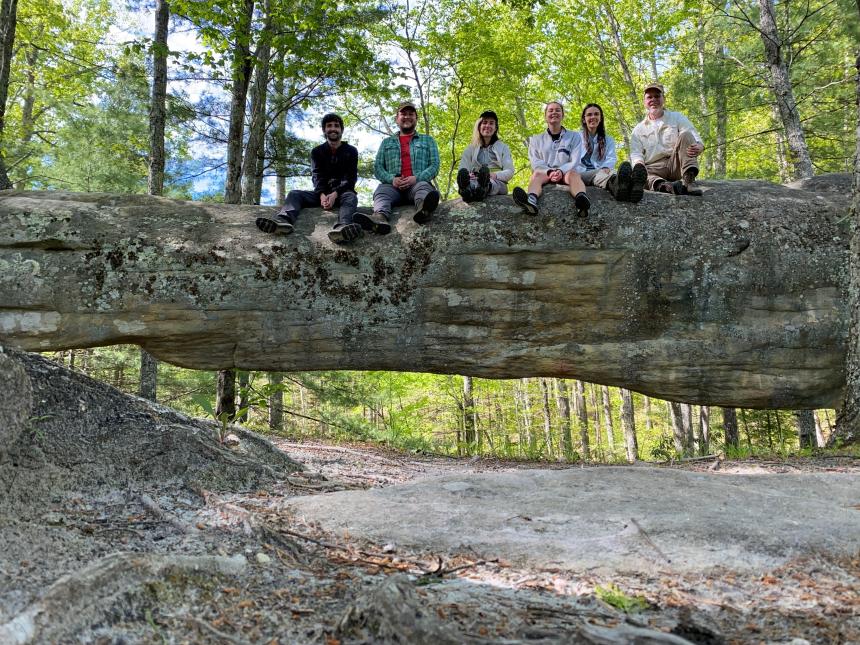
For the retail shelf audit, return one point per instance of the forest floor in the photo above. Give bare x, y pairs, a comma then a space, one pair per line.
367, 545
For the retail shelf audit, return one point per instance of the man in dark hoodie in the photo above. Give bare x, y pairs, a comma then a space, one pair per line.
334, 169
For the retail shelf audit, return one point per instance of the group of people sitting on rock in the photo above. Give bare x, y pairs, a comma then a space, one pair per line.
664, 148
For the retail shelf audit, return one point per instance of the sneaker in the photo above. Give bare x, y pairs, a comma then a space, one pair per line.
279, 224
377, 223
484, 181
623, 184
638, 179
582, 204
464, 181
524, 200
345, 233
688, 178
425, 207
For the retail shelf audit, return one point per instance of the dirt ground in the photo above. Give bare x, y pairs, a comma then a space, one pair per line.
110, 536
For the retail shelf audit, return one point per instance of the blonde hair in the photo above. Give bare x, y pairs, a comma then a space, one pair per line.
477, 139
558, 103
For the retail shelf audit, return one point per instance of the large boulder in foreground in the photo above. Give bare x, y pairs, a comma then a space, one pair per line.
736, 298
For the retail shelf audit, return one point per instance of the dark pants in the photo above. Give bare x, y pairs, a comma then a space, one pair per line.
299, 199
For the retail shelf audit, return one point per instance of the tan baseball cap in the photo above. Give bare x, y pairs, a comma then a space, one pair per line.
654, 86
406, 104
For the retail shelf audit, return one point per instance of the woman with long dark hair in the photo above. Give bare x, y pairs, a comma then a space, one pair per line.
597, 164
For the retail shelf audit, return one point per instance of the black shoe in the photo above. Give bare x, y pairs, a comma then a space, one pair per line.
484, 181
425, 207
671, 187
377, 223
464, 181
521, 199
582, 204
623, 184
345, 233
279, 224
687, 179
639, 178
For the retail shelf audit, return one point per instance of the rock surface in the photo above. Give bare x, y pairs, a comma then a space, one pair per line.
737, 298
608, 518
16, 400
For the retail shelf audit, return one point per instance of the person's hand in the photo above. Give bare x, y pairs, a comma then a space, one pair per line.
407, 182
555, 175
397, 182
695, 150
492, 175
327, 201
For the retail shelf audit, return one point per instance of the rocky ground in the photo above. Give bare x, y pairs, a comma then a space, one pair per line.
124, 522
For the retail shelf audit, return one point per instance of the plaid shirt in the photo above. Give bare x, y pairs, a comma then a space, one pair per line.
423, 152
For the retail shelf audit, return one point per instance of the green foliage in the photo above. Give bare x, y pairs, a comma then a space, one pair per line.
664, 450
613, 596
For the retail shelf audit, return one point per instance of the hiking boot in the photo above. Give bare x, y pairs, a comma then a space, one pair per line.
688, 178
342, 233
279, 224
638, 179
484, 181
524, 200
621, 184
464, 184
425, 207
582, 204
671, 187
376, 223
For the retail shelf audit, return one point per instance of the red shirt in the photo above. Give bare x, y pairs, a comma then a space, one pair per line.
405, 159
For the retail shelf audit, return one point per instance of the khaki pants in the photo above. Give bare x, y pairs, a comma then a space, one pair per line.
599, 177
675, 165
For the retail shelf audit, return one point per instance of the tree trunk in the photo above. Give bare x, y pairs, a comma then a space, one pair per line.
8, 22
226, 396
805, 428
242, 66
469, 414
582, 417
730, 429
679, 432
722, 118
607, 418
704, 90
276, 402
704, 430
244, 386
547, 418
848, 417
255, 148
563, 401
687, 417
628, 425
148, 376
780, 82
646, 404
595, 409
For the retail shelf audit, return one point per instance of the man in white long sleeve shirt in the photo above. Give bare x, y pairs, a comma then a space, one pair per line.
554, 155
667, 145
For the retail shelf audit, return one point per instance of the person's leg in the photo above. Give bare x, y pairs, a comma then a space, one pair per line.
282, 223
537, 181
498, 187
599, 179
465, 185
588, 177
658, 173
577, 189
529, 201
385, 197
426, 199
346, 230
620, 183
687, 165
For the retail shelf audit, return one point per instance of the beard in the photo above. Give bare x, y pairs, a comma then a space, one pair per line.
333, 137
407, 130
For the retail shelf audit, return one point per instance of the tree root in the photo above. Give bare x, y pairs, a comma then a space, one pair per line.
79, 599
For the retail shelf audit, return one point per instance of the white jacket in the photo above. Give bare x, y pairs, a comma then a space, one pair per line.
501, 160
655, 140
610, 157
564, 154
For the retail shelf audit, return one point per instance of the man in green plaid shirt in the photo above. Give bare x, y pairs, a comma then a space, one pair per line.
405, 165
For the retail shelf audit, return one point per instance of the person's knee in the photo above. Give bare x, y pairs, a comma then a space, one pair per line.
349, 198
686, 138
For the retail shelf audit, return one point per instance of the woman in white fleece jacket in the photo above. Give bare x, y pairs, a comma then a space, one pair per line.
554, 155
486, 164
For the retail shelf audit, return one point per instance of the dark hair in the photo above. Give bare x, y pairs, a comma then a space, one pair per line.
331, 117
476, 135
601, 132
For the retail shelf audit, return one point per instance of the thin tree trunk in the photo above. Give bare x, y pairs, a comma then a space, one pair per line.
721, 117
820, 437
255, 148
148, 388
805, 428
468, 414
8, 22
563, 403
607, 418
704, 430
242, 66
646, 403
780, 82
730, 429
244, 381
704, 90
687, 416
679, 434
547, 418
628, 425
582, 417
598, 438
226, 401
276, 402
527, 417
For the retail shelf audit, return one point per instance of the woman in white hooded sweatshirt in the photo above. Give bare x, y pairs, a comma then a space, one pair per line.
486, 164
